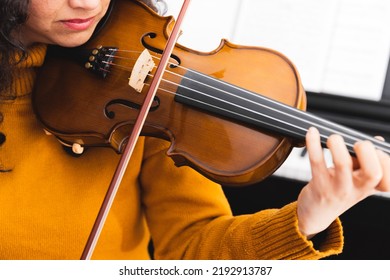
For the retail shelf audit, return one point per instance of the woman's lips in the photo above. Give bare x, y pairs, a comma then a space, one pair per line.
78, 24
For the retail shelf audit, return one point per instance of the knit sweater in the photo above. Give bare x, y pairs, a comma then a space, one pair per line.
49, 200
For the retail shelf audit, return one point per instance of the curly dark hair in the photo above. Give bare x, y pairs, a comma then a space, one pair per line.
13, 14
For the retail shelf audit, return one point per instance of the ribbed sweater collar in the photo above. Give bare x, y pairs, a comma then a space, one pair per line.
26, 71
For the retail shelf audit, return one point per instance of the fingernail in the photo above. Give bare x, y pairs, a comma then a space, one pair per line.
312, 129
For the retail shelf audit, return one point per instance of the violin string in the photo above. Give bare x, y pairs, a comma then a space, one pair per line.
264, 115
300, 115
267, 116
279, 111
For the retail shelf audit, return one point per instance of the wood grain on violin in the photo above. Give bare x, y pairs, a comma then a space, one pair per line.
233, 114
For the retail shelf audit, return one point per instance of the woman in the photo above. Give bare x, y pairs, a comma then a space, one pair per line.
49, 199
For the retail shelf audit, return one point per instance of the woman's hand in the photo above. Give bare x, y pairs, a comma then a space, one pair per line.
334, 190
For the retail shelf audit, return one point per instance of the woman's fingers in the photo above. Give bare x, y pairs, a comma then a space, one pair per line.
314, 148
370, 171
384, 184
342, 160
334, 190
384, 158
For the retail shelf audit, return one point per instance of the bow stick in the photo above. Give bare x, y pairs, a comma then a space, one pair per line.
126, 155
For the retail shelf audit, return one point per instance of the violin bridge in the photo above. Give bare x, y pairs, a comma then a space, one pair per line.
141, 69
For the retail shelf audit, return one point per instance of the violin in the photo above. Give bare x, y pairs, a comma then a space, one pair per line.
232, 114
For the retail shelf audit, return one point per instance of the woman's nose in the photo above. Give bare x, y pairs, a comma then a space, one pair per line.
85, 4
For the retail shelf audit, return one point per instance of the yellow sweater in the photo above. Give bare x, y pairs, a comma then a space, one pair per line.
49, 201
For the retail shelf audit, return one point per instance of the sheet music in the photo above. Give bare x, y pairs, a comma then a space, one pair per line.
360, 49
300, 29
339, 46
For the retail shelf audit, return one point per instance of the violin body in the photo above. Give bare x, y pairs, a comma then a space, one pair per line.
92, 109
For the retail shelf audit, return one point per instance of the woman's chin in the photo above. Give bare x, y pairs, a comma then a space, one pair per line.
73, 42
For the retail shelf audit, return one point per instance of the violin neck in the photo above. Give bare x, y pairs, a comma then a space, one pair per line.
224, 99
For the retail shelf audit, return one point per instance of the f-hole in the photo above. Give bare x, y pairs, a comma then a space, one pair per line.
153, 35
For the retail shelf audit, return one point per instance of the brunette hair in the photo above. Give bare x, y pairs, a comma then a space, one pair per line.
13, 14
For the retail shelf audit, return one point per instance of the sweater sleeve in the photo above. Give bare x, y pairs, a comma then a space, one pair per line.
189, 217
